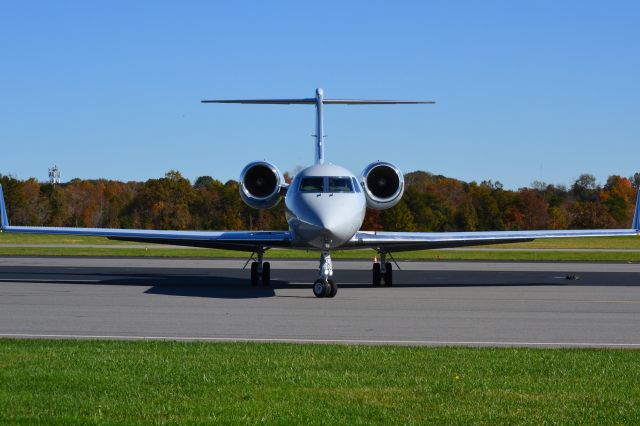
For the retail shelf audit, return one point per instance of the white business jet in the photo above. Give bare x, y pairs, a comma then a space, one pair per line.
325, 206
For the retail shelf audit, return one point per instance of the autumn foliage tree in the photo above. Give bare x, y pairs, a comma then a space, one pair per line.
430, 203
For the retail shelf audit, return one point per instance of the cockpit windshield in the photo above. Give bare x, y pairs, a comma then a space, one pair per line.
312, 184
329, 184
339, 184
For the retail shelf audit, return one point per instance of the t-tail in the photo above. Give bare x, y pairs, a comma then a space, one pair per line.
318, 101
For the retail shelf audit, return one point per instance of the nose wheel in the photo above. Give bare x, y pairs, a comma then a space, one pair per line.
325, 286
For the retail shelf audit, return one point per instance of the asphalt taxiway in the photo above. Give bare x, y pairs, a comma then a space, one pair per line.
431, 303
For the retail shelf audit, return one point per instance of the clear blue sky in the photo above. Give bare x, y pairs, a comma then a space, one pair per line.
525, 90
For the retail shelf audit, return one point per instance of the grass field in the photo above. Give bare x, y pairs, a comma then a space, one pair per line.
80, 382
515, 252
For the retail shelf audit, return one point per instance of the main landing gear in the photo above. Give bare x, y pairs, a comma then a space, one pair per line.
325, 286
382, 271
260, 271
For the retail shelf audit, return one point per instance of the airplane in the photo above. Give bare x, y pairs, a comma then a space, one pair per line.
325, 205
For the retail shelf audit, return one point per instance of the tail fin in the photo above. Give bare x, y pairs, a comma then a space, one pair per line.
636, 214
318, 101
3, 212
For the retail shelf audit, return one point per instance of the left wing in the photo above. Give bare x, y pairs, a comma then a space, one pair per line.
231, 240
405, 241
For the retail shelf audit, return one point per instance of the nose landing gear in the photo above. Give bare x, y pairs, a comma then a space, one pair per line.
325, 286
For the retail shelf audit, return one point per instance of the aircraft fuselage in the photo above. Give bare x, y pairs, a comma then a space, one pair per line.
325, 206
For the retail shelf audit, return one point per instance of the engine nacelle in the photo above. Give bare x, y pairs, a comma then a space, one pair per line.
260, 185
383, 185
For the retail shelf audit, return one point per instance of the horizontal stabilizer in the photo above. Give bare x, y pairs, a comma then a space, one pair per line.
319, 101
371, 102
312, 101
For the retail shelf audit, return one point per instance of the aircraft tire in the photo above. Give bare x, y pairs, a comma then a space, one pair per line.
319, 288
388, 276
333, 288
266, 274
376, 274
254, 274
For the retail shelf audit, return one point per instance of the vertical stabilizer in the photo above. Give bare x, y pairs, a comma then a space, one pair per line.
319, 127
3, 211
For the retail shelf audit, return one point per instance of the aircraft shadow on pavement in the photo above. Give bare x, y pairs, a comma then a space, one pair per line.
227, 286
172, 284
219, 287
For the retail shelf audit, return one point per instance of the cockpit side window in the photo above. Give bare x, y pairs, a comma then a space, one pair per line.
355, 184
340, 184
312, 184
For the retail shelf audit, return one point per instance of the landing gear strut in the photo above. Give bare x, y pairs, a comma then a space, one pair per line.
382, 271
325, 286
260, 270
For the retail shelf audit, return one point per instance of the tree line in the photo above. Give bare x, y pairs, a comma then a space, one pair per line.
430, 203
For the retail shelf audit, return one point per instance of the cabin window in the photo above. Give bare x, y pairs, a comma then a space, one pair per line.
340, 184
312, 184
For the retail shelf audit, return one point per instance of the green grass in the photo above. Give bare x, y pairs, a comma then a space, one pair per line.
115, 382
577, 243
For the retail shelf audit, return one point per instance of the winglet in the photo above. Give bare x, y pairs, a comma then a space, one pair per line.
3, 212
636, 214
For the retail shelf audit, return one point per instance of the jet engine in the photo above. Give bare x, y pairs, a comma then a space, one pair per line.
383, 185
260, 185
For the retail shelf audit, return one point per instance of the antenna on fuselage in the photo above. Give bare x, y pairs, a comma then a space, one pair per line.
318, 101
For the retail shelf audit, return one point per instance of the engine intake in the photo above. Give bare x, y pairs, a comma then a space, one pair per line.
260, 185
383, 185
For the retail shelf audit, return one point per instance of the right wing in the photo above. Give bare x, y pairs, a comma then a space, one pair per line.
231, 240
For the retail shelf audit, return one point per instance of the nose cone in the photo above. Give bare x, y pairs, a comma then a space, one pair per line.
332, 225
331, 219
326, 227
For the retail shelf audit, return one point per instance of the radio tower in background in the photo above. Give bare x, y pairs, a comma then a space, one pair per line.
54, 175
